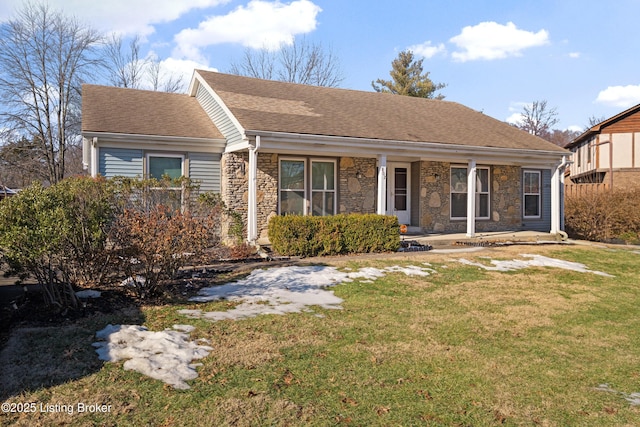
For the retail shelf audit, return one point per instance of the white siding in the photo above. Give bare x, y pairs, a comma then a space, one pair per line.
584, 158
218, 116
603, 154
636, 143
622, 150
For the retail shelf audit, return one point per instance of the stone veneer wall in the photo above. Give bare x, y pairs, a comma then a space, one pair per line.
434, 203
235, 186
357, 195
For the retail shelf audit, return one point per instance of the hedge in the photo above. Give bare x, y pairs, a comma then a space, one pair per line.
296, 235
609, 216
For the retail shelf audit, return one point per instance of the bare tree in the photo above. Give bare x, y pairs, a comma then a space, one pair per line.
44, 56
126, 68
161, 80
301, 62
538, 119
593, 120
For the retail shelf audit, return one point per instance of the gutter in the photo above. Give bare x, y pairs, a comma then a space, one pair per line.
376, 146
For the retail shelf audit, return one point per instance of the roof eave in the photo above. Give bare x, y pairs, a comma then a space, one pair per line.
154, 139
283, 140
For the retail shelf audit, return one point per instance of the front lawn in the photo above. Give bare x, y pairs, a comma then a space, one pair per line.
460, 346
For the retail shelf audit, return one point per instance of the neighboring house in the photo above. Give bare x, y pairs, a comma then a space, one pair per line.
273, 148
609, 152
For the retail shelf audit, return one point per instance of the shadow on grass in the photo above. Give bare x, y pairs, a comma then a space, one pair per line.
40, 348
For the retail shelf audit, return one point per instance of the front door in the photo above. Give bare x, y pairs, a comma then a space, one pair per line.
398, 191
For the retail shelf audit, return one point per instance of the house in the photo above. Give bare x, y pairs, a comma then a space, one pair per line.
608, 152
273, 148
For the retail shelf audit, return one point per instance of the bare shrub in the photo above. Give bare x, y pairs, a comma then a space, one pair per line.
604, 216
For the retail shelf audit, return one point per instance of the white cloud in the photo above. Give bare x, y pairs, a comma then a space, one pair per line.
514, 118
620, 96
576, 128
574, 55
267, 24
427, 50
126, 17
183, 68
516, 108
490, 40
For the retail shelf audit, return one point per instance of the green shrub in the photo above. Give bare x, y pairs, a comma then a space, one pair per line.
86, 232
58, 235
606, 216
295, 235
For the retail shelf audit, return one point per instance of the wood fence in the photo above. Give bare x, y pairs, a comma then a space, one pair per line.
580, 189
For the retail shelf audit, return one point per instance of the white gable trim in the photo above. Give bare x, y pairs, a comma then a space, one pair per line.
198, 81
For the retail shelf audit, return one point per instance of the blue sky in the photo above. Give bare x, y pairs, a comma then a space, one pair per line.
495, 56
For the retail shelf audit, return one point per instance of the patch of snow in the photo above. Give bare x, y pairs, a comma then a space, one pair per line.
632, 398
286, 290
184, 328
88, 293
165, 355
134, 281
535, 261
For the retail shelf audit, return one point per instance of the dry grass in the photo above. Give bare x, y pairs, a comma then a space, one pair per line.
461, 347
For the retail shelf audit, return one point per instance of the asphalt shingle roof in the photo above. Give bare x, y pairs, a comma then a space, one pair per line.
265, 105
143, 112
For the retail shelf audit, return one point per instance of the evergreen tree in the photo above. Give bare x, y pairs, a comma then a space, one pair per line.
408, 78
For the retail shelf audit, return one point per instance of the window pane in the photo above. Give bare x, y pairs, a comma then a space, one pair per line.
532, 205
459, 205
322, 175
329, 204
482, 180
400, 202
482, 205
322, 203
292, 175
292, 202
400, 178
459, 180
531, 182
161, 166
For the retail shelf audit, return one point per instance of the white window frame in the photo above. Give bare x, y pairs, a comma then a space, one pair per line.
305, 188
165, 155
308, 191
478, 192
324, 191
524, 194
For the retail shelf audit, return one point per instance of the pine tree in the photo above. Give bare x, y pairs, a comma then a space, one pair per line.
408, 79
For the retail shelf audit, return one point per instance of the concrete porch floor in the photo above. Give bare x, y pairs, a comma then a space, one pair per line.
451, 239
457, 239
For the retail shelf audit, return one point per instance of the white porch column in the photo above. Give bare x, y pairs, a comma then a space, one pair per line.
555, 199
471, 198
382, 185
252, 208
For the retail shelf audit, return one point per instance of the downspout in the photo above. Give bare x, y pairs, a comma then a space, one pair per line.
252, 208
94, 157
